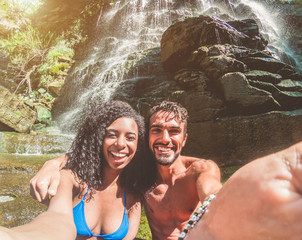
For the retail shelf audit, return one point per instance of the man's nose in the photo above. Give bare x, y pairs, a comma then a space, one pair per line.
165, 136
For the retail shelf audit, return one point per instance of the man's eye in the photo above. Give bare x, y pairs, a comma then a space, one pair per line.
155, 130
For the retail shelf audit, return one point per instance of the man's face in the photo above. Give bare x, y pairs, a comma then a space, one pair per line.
166, 137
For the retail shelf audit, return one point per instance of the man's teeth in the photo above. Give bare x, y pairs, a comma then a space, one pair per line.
163, 149
118, 154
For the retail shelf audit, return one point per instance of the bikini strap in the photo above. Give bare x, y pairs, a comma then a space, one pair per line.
125, 202
86, 194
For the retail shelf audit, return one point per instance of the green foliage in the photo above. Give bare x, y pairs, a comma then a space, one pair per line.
144, 231
74, 34
40, 97
24, 6
53, 65
58, 68
22, 45
61, 49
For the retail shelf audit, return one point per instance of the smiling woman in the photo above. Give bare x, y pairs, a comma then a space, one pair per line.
99, 191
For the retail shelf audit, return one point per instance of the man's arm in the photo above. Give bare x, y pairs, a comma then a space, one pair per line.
47, 180
208, 178
262, 200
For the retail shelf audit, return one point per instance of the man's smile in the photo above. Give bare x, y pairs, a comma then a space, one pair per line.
164, 149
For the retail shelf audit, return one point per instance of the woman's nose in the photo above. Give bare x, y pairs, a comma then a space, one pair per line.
121, 143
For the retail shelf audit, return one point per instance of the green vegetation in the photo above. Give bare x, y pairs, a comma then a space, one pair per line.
39, 38
144, 231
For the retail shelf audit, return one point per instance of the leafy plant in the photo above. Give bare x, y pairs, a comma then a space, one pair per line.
57, 60
22, 45
39, 97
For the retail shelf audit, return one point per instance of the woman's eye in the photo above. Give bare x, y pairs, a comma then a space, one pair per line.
110, 135
131, 138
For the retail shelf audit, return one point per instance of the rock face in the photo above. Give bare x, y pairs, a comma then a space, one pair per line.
257, 92
242, 101
240, 139
14, 113
180, 39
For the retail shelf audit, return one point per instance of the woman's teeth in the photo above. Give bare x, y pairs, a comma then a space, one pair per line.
118, 154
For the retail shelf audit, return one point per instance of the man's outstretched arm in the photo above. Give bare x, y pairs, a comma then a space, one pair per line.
262, 200
47, 180
209, 178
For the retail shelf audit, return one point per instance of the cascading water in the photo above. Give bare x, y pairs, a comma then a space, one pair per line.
131, 27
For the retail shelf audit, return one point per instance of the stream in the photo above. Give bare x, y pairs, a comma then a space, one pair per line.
17, 207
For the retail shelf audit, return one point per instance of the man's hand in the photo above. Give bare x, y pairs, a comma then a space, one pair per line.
262, 200
46, 181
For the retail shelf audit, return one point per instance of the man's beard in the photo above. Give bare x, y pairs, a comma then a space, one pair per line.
165, 163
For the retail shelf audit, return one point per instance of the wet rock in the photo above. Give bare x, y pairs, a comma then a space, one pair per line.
266, 64
183, 37
238, 140
14, 113
288, 100
54, 88
216, 66
19, 143
178, 41
289, 85
264, 76
44, 115
237, 90
201, 107
192, 80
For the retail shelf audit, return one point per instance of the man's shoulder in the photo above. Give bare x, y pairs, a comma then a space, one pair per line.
195, 164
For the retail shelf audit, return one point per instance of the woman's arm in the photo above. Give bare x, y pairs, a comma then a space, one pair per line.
134, 215
56, 223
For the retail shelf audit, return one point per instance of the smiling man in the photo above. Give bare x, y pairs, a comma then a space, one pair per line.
182, 182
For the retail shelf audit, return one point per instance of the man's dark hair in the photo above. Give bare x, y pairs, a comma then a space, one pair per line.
175, 109
86, 158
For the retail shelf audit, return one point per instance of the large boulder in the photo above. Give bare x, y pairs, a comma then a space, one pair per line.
14, 113
182, 38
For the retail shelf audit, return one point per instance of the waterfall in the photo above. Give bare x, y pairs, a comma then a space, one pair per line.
130, 26
124, 32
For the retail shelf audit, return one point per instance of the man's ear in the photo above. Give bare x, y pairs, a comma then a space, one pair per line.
185, 140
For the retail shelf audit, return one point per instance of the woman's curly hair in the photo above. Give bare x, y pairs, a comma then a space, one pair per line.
86, 158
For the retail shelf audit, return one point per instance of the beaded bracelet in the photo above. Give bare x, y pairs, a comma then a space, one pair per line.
196, 216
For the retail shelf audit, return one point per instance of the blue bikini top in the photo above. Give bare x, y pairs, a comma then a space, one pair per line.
83, 229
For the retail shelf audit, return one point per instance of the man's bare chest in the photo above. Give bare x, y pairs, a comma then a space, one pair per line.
171, 202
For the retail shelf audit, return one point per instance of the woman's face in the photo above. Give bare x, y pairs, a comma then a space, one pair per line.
120, 142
